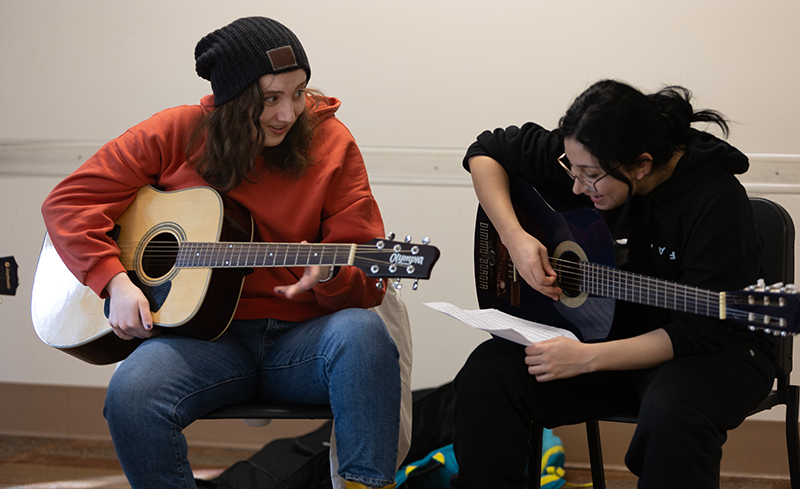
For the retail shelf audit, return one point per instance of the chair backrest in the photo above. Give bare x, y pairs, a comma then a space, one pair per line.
777, 263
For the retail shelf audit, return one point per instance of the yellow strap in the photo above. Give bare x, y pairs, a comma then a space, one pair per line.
549, 453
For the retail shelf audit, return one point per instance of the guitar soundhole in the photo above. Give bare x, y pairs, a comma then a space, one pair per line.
160, 255
569, 274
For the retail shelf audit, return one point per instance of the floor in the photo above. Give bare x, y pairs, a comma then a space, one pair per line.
626, 480
45, 463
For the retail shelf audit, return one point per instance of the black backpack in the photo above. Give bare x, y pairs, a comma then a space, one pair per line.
286, 463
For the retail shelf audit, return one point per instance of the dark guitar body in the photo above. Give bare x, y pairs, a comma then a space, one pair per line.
499, 287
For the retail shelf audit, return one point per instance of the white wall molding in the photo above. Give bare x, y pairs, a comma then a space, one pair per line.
44, 158
769, 173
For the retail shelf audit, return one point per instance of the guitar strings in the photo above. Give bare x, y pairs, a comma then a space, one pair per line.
618, 284
280, 254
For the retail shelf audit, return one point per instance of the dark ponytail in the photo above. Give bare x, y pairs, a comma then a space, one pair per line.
617, 123
675, 105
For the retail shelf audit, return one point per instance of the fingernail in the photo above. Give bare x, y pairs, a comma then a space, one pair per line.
148, 326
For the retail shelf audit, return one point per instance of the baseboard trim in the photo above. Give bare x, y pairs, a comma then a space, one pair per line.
77, 412
755, 449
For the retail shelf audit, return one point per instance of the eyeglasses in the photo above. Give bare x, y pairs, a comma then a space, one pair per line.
590, 185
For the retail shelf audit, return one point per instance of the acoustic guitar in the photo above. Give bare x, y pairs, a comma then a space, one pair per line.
582, 254
192, 270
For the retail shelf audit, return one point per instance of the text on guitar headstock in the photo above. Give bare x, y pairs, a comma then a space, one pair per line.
385, 258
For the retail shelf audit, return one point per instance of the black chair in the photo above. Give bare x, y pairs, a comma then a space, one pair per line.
778, 265
270, 411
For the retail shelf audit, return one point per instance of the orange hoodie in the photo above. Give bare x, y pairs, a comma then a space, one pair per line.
331, 203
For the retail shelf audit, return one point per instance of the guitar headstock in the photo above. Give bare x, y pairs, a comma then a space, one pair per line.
9, 276
774, 309
385, 258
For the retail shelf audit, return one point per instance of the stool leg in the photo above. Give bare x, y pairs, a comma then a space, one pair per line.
792, 440
535, 460
595, 454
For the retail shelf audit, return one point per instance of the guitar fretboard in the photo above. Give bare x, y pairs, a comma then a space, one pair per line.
617, 284
240, 255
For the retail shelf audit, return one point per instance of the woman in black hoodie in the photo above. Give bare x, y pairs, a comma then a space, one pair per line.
669, 192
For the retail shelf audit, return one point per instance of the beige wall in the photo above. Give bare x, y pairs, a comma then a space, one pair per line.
419, 79
418, 73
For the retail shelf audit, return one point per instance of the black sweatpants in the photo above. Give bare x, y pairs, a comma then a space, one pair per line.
686, 406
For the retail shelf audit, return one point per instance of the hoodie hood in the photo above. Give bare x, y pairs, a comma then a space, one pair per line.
706, 157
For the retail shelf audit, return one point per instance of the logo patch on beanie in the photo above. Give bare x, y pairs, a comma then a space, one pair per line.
282, 57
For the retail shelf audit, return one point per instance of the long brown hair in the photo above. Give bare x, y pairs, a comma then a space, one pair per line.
227, 142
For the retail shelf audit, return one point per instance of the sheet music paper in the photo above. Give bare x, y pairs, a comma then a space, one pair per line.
501, 324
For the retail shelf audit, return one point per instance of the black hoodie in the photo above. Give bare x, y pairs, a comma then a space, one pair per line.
695, 228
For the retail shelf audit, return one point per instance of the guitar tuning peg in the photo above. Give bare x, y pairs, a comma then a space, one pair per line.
416, 284
408, 238
390, 236
397, 285
426, 240
379, 284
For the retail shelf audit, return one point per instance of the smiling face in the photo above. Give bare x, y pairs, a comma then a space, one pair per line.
610, 192
284, 101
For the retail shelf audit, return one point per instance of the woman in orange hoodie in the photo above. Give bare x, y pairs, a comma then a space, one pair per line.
300, 334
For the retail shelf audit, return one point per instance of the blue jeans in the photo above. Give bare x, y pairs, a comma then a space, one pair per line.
346, 359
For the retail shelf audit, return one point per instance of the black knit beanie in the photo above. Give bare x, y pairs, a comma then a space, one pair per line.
240, 53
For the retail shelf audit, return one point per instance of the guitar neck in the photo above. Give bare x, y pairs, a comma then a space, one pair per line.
243, 255
617, 284
583, 258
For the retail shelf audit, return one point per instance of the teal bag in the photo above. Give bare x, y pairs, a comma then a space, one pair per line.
434, 470
552, 470
431, 472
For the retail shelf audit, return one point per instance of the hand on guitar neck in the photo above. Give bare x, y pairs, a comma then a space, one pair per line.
312, 275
